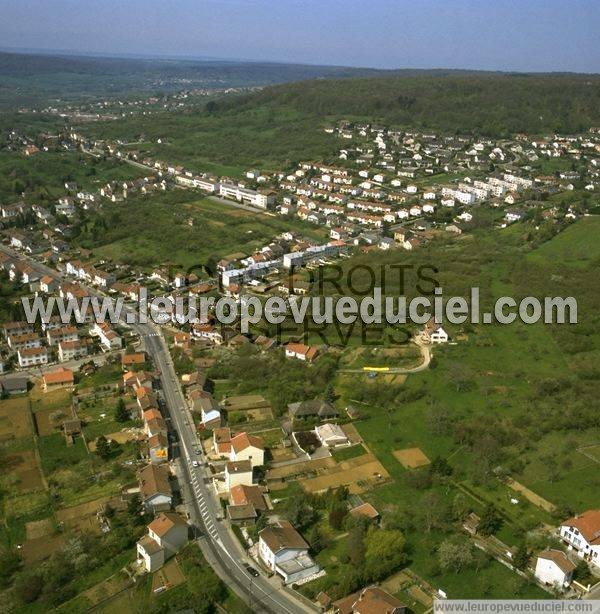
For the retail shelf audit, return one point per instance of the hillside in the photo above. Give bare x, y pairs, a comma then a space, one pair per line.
493, 104
282, 124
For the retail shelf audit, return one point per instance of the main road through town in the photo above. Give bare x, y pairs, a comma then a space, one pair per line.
217, 541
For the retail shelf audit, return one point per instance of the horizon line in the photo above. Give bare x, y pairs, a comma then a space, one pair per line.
215, 59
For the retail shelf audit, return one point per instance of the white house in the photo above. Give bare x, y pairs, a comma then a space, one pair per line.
513, 216
331, 435
300, 351
238, 472
48, 284
248, 447
167, 534
72, 350
108, 337
284, 551
554, 568
582, 533
31, 357
434, 332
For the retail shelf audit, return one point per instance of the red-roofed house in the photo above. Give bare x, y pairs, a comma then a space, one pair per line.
301, 351
60, 378
248, 447
222, 441
582, 533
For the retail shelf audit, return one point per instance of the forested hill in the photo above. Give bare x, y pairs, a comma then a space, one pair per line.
489, 103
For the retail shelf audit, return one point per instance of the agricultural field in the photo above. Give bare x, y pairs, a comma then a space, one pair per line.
403, 356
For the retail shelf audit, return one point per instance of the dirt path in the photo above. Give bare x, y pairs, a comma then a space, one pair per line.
530, 495
425, 356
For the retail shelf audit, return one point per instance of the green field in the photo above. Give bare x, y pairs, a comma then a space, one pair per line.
155, 230
578, 246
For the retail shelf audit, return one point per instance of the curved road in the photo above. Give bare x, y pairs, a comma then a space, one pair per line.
425, 354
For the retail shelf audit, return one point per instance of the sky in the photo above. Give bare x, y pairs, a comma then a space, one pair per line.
512, 35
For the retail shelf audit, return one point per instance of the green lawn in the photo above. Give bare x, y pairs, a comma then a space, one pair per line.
343, 454
55, 454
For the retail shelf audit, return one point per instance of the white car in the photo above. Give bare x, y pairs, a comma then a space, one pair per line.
195, 463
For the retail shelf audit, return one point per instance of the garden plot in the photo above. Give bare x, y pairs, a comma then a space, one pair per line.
21, 469
37, 529
15, 422
48, 421
358, 474
82, 517
411, 458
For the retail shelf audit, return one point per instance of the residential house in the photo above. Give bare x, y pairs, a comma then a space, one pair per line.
17, 328
14, 385
109, 339
133, 360
245, 504
210, 414
434, 333
315, 407
370, 600
167, 534
301, 351
59, 378
32, 357
331, 435
582, 533
248, 447
365, 510
158, 448
243, 494
72, 350
284, 551
48, 285
222, 441
155, 425
24, 341
155, 489
554, 568
64, 333
238, 472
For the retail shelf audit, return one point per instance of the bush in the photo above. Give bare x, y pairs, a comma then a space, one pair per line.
28, 587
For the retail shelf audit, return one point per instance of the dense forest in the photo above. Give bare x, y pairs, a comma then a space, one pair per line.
489, 103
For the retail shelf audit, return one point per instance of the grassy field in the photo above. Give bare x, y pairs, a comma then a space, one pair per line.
513, 400
578, 246
155, 230
259, 137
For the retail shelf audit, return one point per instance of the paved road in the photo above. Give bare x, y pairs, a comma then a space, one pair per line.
219, 545
266, 595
